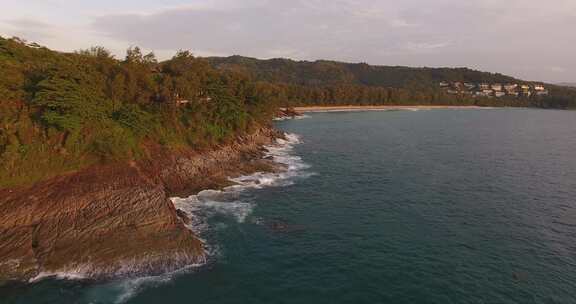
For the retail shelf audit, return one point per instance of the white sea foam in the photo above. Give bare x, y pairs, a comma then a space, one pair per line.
130, 288
77, 273
120, 291
126, 268
229, 201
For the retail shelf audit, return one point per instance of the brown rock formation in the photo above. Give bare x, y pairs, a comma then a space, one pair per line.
116, 219
287, 113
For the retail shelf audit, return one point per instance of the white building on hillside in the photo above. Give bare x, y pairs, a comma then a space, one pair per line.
539, 87
510, 87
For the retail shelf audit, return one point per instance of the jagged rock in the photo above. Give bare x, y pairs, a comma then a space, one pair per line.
116, 219
287, 113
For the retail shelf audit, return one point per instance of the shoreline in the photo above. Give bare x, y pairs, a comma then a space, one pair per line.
283, 168
117, 220
312, 109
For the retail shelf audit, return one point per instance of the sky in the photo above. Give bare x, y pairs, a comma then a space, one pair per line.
529, 39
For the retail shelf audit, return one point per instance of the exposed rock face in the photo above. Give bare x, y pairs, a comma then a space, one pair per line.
287, 113
116, 219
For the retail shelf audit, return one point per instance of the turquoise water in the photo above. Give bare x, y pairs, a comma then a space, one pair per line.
440, 206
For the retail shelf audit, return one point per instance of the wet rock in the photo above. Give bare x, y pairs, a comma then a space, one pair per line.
287, 113
183, 216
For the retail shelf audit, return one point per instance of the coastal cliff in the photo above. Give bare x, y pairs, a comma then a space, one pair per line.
117, 219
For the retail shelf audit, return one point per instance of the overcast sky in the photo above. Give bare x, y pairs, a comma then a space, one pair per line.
530, 39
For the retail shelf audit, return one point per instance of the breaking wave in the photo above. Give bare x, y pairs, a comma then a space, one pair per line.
78, 273
230, 201
121, 291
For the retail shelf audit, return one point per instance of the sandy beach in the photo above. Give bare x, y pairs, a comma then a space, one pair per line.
375, 108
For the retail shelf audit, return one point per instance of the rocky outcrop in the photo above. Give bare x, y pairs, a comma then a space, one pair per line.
286, 113
116, 219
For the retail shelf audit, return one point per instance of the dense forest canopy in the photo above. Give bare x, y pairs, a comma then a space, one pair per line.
324, 72
61, 112
332, 83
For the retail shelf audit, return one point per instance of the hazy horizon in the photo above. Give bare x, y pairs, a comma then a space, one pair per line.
522, 38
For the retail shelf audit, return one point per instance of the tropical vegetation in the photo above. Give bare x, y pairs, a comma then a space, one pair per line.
61, 112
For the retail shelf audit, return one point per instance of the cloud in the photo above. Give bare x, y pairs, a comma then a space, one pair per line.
260, 28
426, 46
23, 23
557, 69
500, 36
33, 30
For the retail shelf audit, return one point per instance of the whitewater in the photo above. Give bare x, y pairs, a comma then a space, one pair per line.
228, 202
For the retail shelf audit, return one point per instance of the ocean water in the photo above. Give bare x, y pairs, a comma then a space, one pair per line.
438, 206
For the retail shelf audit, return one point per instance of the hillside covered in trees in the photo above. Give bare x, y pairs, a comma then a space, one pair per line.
61, 112
333, 83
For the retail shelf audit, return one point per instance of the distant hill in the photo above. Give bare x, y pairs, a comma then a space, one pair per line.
568, 84
326, 82
323, 72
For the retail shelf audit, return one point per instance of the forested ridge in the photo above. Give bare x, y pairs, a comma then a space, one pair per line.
61, 112
336, 83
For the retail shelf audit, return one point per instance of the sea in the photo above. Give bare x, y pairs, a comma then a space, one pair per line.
400, 206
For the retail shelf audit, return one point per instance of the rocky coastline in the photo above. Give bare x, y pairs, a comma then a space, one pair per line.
287, 113
117, 219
